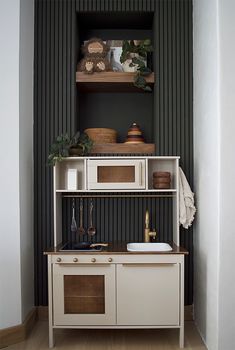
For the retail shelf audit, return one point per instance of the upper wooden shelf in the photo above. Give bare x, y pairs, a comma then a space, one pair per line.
109, 82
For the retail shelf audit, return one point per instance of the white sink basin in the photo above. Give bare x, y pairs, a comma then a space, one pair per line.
148, 247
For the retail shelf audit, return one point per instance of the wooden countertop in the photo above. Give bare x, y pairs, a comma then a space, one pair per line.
114, 248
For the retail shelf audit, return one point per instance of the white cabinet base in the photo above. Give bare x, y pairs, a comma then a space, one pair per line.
155, 282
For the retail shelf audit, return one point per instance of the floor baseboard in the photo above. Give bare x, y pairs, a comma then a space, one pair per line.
16, 334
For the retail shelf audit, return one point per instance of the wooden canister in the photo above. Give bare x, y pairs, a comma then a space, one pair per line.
162, 174
161, 180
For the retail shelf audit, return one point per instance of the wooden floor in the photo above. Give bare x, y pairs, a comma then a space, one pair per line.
71, 339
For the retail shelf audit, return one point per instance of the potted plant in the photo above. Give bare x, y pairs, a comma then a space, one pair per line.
134, 57
78, 145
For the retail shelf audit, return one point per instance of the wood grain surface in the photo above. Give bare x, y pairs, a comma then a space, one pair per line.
110, 77
123, 148
144, 339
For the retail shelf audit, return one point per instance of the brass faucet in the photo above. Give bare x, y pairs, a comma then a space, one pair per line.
147, 229
148, 235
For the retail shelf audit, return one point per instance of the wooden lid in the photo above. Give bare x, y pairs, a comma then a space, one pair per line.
161, 174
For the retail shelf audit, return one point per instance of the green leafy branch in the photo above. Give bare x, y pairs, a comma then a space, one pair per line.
128, 47
60, 149
143, 48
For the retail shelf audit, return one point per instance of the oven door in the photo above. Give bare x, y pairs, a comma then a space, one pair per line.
84, 295
116, 174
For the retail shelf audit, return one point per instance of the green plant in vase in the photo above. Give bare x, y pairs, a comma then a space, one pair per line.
80, 144
64, 146
134, 57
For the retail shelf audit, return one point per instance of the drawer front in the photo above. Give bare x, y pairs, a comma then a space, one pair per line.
116, 174
148, 294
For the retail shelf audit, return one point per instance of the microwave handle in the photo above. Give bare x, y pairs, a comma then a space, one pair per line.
140, 173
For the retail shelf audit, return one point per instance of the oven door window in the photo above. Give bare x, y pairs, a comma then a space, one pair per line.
84, 294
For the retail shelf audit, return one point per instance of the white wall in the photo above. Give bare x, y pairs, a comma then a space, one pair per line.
214, 138
16, 230
227, 207
10, 286
206, 165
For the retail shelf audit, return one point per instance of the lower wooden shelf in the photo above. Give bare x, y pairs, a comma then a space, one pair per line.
124, 148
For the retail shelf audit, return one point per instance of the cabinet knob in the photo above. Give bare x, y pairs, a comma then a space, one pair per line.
110, 259
93, 260
58, 259
75, 259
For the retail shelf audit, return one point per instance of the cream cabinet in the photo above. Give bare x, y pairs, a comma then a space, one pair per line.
112, 289
148, 295
116, 291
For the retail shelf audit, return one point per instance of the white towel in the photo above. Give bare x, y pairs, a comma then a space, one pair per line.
186, 201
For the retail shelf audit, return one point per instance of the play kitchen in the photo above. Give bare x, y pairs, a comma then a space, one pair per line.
92, 283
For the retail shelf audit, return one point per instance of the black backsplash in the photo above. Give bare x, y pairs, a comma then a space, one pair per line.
120, 219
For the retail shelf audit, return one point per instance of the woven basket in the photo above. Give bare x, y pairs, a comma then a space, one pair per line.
102, 135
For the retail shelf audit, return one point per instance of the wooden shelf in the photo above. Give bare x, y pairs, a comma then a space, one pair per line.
109, 82
123, 148
109, 77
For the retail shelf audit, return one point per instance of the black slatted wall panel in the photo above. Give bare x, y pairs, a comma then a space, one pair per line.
115, 5
173, 128
55, 112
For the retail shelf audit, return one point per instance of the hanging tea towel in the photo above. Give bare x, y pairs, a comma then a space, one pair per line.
186, 201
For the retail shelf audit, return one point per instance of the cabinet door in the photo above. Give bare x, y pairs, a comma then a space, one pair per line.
148, 294
84, 295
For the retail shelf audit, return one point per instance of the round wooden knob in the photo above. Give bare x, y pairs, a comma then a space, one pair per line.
93, 260
58, 259
110, 259
75, 259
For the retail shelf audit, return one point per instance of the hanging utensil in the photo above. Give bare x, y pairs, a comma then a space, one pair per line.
73, 222
91, 229
81, 230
